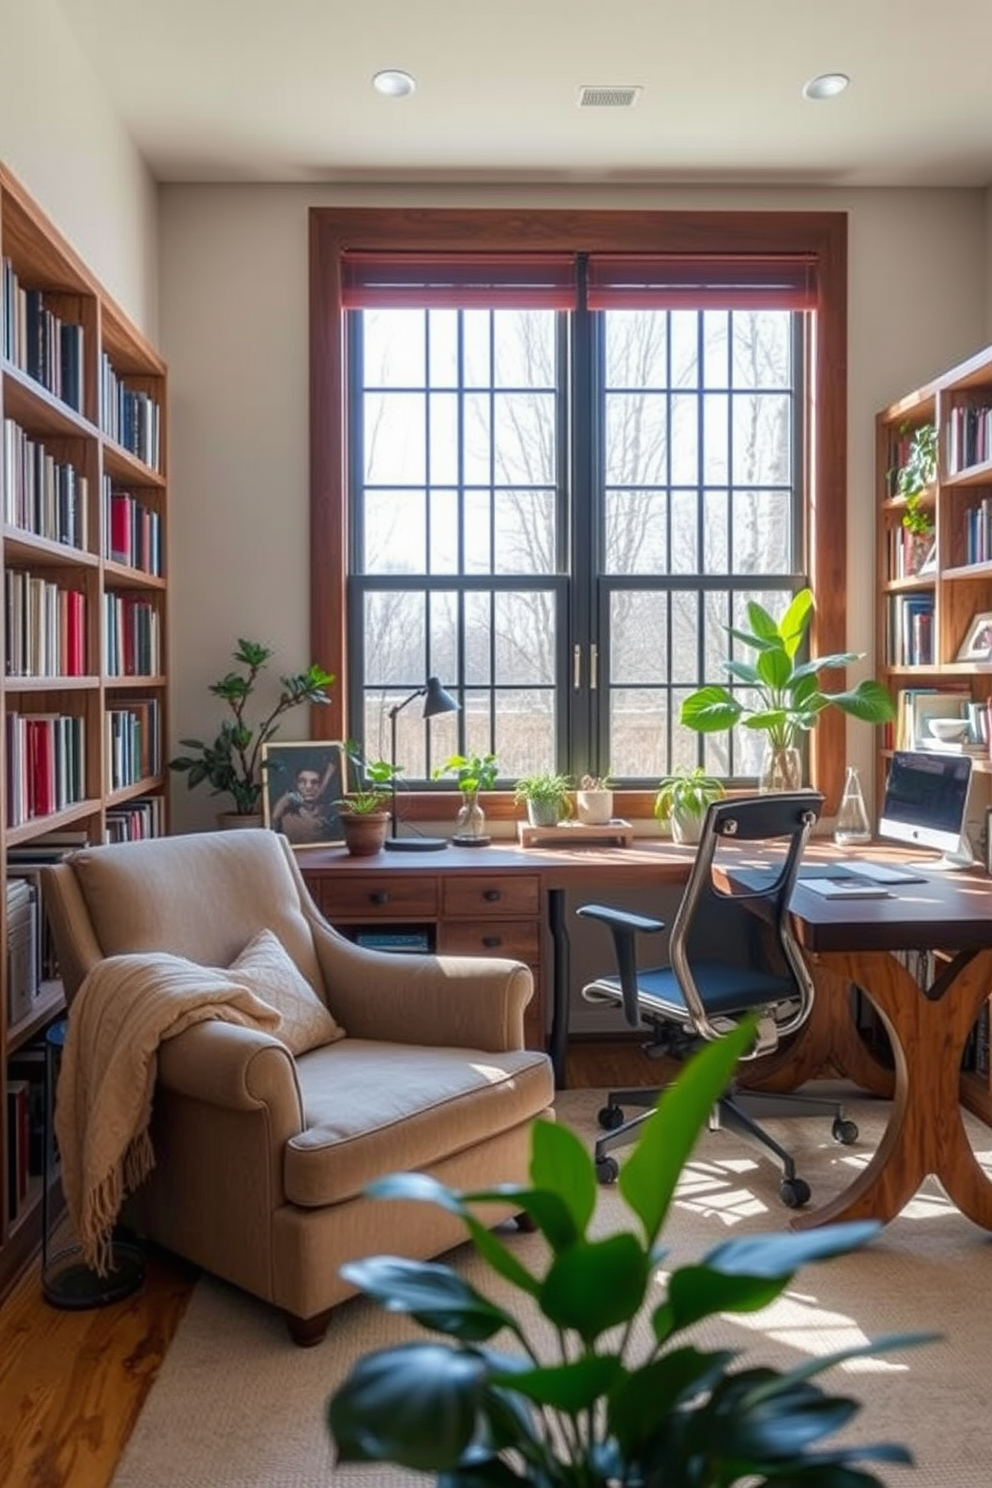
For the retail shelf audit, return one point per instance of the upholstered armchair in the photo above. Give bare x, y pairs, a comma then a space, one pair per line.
264, 1139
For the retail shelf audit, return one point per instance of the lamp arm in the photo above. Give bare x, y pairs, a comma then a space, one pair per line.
394, 710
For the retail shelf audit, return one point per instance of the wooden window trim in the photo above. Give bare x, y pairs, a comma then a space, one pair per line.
823, 235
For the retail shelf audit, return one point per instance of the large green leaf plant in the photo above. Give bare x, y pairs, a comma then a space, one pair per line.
781, 696
619, 1406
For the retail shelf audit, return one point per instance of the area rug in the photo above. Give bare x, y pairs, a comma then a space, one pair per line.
237, 1406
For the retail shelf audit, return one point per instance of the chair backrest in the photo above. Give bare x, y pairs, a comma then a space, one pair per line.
743, 919
200, 895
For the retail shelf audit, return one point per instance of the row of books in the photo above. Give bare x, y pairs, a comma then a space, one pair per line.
25, 862
978, 532
969, 436
23, 949
38, 341
45, 763
45, 632
132, 636
135, 820
910, 640
133, 743
129, 415
25, 1123
42, 494
133, 531
908, 555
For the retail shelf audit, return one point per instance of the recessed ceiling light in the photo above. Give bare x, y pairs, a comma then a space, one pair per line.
827, 85
393, 83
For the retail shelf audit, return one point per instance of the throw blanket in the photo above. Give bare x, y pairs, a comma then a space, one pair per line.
125, 1007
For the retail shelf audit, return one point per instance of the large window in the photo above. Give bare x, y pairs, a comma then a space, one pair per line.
558, 491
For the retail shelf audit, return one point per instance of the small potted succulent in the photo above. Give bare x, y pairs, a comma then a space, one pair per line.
546, 795
682, 801
628, 1391
594, 800
233, 764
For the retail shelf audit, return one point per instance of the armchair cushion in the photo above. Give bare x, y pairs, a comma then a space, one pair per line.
268, 971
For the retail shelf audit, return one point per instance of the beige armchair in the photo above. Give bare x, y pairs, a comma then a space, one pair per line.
262, 1154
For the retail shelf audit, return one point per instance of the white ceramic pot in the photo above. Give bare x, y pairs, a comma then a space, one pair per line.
594, 807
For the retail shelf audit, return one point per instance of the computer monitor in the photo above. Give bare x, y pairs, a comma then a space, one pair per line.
926, 796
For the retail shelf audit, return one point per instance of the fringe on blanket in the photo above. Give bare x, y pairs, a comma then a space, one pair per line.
103, 1201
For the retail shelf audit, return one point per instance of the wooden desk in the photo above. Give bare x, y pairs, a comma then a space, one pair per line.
928, 1027
511, 901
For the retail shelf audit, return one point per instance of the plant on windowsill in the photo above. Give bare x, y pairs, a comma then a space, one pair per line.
779, 695
623, 1391
683, 799
232, 765
474, 773
546, 795
594, 800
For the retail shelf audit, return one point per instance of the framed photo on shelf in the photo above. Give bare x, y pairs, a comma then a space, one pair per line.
977, 644
302, 787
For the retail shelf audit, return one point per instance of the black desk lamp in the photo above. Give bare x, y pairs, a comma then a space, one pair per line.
436, 700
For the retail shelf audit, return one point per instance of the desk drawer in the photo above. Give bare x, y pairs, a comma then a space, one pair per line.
379, 896
512, 895
520, 940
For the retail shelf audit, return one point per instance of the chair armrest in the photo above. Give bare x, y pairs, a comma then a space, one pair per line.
470, 1002
624, 927
239, 1069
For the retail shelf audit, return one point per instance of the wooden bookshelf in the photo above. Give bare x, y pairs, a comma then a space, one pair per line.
955, 584
83, 526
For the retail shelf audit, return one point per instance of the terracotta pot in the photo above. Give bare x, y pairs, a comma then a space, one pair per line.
364, 834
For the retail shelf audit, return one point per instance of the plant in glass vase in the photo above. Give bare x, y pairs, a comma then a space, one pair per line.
473, 773
781, 696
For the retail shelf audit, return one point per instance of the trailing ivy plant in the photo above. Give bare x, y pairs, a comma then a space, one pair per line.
916, 475
616, 1406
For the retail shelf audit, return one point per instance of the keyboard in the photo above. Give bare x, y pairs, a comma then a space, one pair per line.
861, 870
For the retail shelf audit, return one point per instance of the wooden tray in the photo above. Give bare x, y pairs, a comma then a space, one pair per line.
615, 833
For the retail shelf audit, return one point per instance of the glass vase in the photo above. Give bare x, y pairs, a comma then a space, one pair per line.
852, 818
470, 824
781, 769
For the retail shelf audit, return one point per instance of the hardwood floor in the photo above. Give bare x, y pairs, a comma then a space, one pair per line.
73, 1383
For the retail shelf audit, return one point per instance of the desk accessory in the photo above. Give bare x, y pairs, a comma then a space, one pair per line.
616, 833
436, 700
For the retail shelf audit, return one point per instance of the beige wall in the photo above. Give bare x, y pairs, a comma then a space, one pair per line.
64, 144
234, 318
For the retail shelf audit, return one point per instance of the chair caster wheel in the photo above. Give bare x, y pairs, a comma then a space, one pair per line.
844, 1132
607, 1170
794, 1192
610, 1117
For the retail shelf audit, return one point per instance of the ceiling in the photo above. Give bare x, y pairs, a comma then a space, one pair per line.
280, 90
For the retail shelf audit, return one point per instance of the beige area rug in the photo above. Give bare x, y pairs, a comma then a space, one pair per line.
237, 1406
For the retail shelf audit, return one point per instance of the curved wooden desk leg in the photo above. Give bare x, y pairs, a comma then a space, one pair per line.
925, 1133
828, 1041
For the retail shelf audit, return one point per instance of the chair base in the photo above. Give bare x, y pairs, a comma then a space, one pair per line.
737, 1111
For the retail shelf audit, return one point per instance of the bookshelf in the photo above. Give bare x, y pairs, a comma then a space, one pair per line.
83, 518
931, 647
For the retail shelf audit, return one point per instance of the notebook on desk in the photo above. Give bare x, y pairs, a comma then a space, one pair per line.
863, 870
844, 878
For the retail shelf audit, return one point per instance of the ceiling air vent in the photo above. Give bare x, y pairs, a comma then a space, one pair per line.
599, 97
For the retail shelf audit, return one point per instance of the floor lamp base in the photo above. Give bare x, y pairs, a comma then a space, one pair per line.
69, 1284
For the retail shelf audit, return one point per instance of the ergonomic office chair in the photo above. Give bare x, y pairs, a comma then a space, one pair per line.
731, 951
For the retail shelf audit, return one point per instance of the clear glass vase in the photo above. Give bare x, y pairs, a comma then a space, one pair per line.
852, 818
781, 769
470, 824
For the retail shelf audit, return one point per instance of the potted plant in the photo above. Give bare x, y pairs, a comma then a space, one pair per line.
781, 696
232, 764
631, 1398
474, 773
683, 798
365, 810
546, 796
912, 481
594, 800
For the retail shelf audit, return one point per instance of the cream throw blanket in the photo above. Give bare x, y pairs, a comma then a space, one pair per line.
122, 1011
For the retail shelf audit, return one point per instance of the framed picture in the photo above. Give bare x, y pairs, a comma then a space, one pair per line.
977, 644
302, 784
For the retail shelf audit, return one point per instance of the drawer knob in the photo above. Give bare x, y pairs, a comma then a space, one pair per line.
492, 896
380, 897
490, 941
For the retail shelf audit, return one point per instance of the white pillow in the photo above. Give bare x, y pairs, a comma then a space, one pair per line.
266, 969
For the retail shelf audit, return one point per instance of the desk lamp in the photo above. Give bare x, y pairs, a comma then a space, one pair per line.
436, 700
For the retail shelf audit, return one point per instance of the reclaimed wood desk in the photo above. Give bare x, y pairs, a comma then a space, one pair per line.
508, 901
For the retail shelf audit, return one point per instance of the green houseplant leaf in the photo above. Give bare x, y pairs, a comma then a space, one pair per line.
616, 1404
